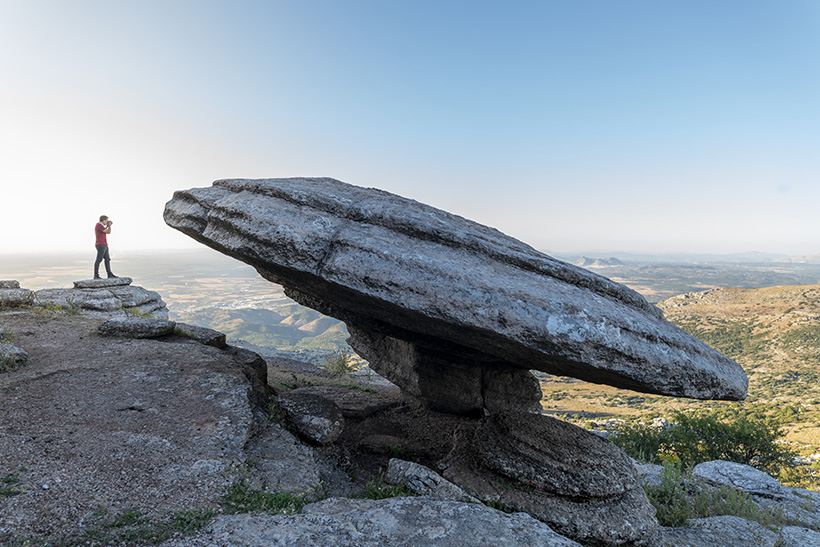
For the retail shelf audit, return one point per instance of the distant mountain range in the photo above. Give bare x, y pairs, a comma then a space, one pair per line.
666, 258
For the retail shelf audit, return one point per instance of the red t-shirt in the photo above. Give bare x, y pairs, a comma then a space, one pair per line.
99, 231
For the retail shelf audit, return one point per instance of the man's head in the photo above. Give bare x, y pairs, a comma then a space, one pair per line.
103, 218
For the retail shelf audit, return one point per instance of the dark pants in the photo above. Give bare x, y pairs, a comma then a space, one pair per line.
102, 254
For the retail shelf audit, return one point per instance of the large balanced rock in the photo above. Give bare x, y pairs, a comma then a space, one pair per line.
441, 305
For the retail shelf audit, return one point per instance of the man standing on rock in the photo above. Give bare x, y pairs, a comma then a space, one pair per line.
102, 228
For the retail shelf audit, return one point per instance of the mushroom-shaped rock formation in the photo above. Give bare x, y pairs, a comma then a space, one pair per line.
452, 311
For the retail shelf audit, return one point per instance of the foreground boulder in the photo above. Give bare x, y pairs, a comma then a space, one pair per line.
581, 485
398, 522
432, 299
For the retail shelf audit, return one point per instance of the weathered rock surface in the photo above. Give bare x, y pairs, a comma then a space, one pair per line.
114, 297
282, 463
204, 335
11, 356
442, 289
102, 283
137, 327
714, 531
794, 536
398, 522
120, 424
743, 477
353, 403
554, 456
581, 485
315, 418
11, 295
424, 481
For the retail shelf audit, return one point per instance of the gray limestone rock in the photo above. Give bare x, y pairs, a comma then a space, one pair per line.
102, 283
204, 335
715, 531
353, 403
315, 418
520, 481
281, 463
554, 456
424, 481
459, 297
11, 357
14, 297
106, 301
397, 522
9, 284
794, 536
743, 477
137, 327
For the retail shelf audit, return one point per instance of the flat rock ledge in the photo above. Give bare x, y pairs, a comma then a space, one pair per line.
103, 283
398, 522
445, 301
106, 298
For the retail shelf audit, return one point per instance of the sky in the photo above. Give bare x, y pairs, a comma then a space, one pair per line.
573, 125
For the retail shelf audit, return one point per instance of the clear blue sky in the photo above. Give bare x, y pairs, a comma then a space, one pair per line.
572, 125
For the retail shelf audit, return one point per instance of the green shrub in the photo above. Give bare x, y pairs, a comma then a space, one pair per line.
700, 437
679, 497
340, 362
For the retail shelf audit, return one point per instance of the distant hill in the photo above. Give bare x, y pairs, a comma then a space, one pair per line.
804, 259
586, 262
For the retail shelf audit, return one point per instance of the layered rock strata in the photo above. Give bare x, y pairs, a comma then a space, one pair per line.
105, 297
436, 296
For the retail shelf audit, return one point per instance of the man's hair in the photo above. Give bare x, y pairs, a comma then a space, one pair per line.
103, 217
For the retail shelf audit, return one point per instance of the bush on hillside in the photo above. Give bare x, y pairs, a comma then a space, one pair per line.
694, 438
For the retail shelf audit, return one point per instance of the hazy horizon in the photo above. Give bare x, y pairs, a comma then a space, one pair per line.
636, 125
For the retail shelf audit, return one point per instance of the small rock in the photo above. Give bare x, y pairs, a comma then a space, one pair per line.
137, 327
11, 357
424, 481
354, 403
15, 297
204, 335
315, 418
9, 284
743, 477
